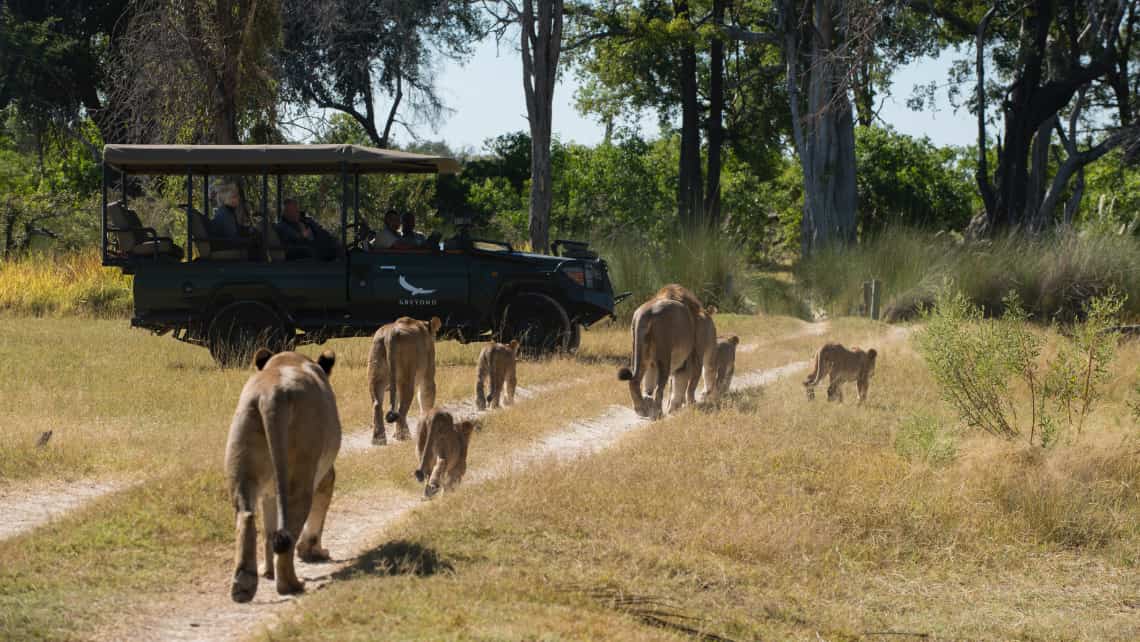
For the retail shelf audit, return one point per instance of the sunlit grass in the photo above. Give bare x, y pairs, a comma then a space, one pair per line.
67, 284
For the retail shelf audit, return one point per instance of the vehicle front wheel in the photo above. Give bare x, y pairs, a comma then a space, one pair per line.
237, 330
540, 324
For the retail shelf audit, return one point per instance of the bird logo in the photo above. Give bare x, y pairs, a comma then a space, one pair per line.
413, 289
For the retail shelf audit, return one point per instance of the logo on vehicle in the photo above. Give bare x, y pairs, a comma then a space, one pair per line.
416, 291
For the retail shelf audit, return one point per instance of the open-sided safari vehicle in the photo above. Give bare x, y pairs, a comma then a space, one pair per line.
232, 295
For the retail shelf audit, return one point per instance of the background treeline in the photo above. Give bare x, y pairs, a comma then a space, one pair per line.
769, 153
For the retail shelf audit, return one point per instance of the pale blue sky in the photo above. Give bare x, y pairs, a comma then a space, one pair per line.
486, 95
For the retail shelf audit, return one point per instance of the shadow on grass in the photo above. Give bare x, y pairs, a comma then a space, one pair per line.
399, 557
615, 360
649, 610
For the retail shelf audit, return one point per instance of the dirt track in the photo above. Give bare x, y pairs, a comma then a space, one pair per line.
358, 526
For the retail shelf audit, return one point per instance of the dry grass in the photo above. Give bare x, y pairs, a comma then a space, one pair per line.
68, 284
776, 518
766, 517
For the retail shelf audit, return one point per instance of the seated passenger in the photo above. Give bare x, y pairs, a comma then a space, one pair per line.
409, 237
224, 224
302, 236
389, 235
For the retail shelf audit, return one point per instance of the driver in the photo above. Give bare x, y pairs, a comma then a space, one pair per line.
390, 234
409, 237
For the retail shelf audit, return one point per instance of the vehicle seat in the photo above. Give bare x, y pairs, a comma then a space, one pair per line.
213, 249
133, 239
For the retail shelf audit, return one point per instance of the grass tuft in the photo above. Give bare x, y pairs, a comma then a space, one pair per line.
68, 284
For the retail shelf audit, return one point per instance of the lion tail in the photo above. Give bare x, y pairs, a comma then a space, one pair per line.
392, 415
640, 334
818, 372
276, 414
428, 449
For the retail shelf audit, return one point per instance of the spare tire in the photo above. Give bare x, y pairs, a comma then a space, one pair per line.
237, 330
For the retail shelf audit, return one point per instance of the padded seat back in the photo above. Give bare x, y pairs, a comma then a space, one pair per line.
121, 229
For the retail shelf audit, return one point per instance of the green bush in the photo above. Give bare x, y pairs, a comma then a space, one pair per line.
977, 362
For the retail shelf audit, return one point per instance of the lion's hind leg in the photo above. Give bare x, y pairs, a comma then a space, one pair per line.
309, 546
268, 525
297, 511
244, 585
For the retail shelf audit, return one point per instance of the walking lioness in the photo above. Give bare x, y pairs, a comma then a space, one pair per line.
498, 364
283, 440
402, 361
441, 450
842, 365
663, 344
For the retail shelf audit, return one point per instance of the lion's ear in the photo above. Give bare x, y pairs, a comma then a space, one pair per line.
261, 357
514, 345
326, 361
711, 310
434, 324
735, 340
872, 354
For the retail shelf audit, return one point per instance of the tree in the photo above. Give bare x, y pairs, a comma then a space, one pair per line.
349, 55
1049, 58
197, 71
674, 58
51, 61
540, 25
823, 130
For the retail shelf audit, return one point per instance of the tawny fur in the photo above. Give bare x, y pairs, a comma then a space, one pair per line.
702, 363
725, 362
283, 440
663, 333
497, 366
401, 362
441, 450
841, 365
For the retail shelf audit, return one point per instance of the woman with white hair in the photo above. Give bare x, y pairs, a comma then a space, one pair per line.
224, 224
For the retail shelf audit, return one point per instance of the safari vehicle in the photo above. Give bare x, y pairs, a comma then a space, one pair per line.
230, 296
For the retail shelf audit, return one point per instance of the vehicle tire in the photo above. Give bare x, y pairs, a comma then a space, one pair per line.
237, 330
540, 324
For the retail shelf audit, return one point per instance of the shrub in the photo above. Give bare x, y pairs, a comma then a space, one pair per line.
975, 361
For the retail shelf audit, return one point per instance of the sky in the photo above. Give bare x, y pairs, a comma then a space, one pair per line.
486, 96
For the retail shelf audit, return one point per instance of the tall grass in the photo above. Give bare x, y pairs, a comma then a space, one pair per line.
65, 284
706, 263
1054, 275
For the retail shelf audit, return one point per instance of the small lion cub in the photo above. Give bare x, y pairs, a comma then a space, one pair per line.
497, 362
725, 362
842, 366
442, 450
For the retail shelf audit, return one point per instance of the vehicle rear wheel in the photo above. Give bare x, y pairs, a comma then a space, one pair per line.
237, 330
539, 323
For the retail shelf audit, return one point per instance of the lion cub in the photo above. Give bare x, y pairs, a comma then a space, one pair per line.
282, 444
842, 365
725, 362
402, 361
497, 362
441, 449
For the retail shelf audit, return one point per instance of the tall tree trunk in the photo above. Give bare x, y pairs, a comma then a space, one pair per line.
825, 134
541, 48
716, 118
689, 201
1035, 218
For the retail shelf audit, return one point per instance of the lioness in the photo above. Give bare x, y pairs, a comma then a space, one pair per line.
704, 361
497, 362
441, 449
402, 361
843, 365
725, 362
663, 339
283, 440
